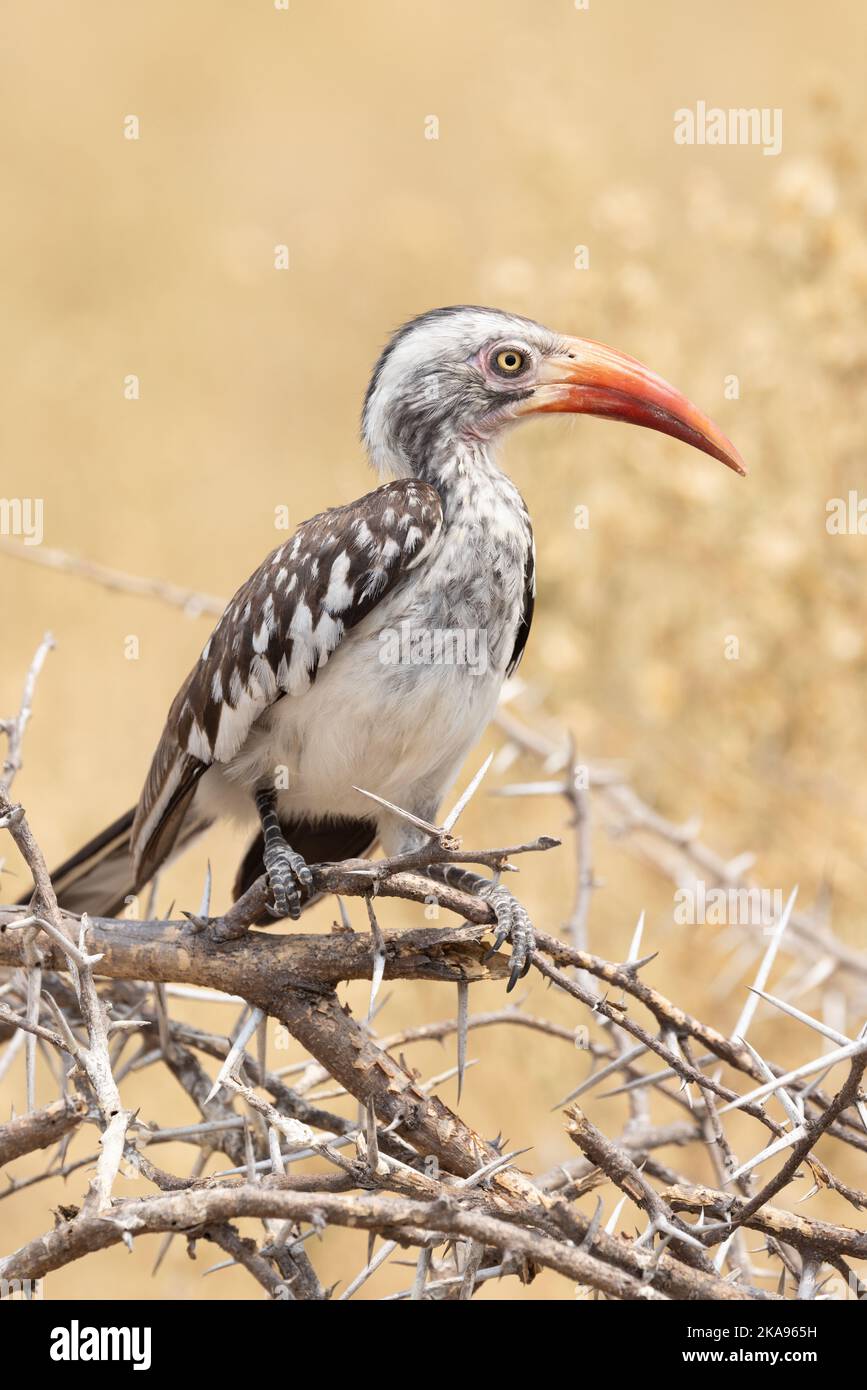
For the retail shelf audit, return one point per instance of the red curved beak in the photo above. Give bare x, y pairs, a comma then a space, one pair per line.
588, 378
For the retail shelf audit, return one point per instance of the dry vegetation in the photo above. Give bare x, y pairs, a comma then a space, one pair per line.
703, 263
420, 1178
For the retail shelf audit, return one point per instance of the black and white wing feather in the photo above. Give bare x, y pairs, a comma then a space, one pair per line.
527, 611
278, 630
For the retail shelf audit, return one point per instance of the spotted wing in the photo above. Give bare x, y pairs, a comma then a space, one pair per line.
278, 630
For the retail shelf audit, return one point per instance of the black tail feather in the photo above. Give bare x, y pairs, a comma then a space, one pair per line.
99, 877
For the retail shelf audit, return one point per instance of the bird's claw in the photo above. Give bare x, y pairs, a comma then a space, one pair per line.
514, 926
288, 875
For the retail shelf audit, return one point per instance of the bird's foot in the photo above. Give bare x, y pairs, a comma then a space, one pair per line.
514, 926
288, 875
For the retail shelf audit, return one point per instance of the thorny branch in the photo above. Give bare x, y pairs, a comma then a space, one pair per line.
96, 995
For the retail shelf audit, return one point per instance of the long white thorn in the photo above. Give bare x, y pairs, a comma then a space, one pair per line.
435, 830
466, 795
811, 1022
378, 967
488, 1169
785, 1141
840, 1054
764, 969
462, 1029
611, 1223
635, 943
245, 1033
791, 1107
595, 1077
205, 904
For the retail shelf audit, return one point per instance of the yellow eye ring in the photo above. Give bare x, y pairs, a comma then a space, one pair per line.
510, 361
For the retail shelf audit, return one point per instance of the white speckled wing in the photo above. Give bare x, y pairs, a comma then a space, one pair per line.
279, 629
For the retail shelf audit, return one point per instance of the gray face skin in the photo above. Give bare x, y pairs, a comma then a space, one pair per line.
458, 376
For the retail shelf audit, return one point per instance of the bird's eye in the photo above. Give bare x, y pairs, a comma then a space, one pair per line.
509, 361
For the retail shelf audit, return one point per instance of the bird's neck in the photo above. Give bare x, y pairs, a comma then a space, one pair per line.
468, 478
466, 474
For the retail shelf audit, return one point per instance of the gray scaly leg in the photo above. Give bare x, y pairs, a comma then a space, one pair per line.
513, 923
287, 871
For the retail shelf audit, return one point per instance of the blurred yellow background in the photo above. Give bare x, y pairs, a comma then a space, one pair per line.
307, 128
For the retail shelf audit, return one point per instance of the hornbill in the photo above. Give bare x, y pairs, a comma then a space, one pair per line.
294, 704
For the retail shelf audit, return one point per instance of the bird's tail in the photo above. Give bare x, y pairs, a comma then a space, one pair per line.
100, 878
